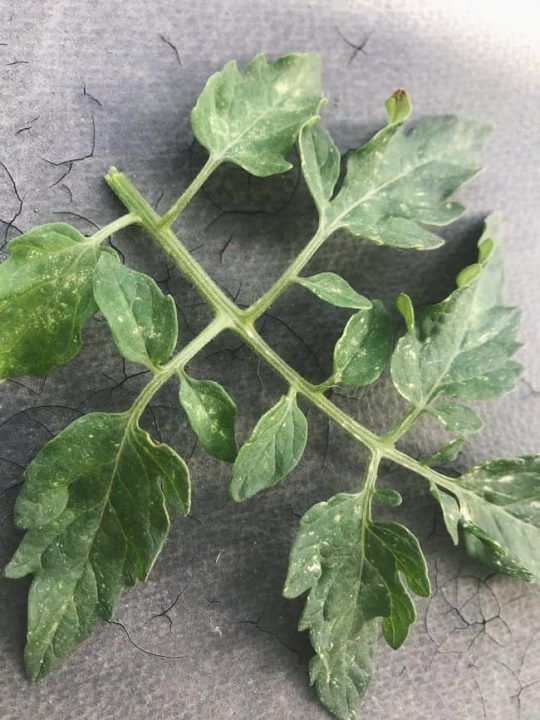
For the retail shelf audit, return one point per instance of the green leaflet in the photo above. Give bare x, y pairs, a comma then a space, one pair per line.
335, 290
456, 417
398, 107
253, 118
450, 511
388, 497
447, 453
365, 347
45, 298
395, 181
462, 347
405, 307
142, 319
351, 568
320, 161
498, 505
272, 451
212, 414
94, 507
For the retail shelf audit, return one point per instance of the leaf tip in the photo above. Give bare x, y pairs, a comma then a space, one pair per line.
405, 308
468, 275
398, 107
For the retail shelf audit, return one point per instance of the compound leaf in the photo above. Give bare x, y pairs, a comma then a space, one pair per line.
462, 347
142, 319
351, 568
364, 349
94, 508
253, 118
46, 297
212, 414
335, 290
272, 451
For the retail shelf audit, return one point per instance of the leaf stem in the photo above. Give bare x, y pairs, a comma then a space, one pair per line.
403, 426
289, 275
214, 328
118, 224
170, 245
370, 478
196, 184
230, 316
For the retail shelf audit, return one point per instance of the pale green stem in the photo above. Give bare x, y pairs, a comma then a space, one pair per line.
116, 225
228, 315
199, 180
162, 374
289, 275
403, 426
172, 247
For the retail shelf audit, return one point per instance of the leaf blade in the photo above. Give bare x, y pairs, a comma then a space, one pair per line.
87, 535
396, 182
320, 162
212, 415
502, 498
335, 290
457, 418
350, 568
463, 346
253, 118
365, 347
272, 451
142, 319
46, 297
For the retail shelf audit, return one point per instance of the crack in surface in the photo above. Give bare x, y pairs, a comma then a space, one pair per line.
256, 624
173, 48
165, 613
356, 48
69, 162
10, 223
139, 647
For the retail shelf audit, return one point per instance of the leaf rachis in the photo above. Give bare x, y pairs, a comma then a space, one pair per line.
97, 499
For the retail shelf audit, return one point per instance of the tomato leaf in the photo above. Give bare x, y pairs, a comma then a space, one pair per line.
396, 182
94, 508
498, 506
463, 346
351, 569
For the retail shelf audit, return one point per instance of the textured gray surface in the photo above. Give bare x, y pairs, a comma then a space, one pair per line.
85, 85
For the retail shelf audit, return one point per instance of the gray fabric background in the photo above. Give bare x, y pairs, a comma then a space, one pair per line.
88, 84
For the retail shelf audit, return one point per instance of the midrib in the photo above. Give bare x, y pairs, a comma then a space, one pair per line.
336, 222
85, 561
